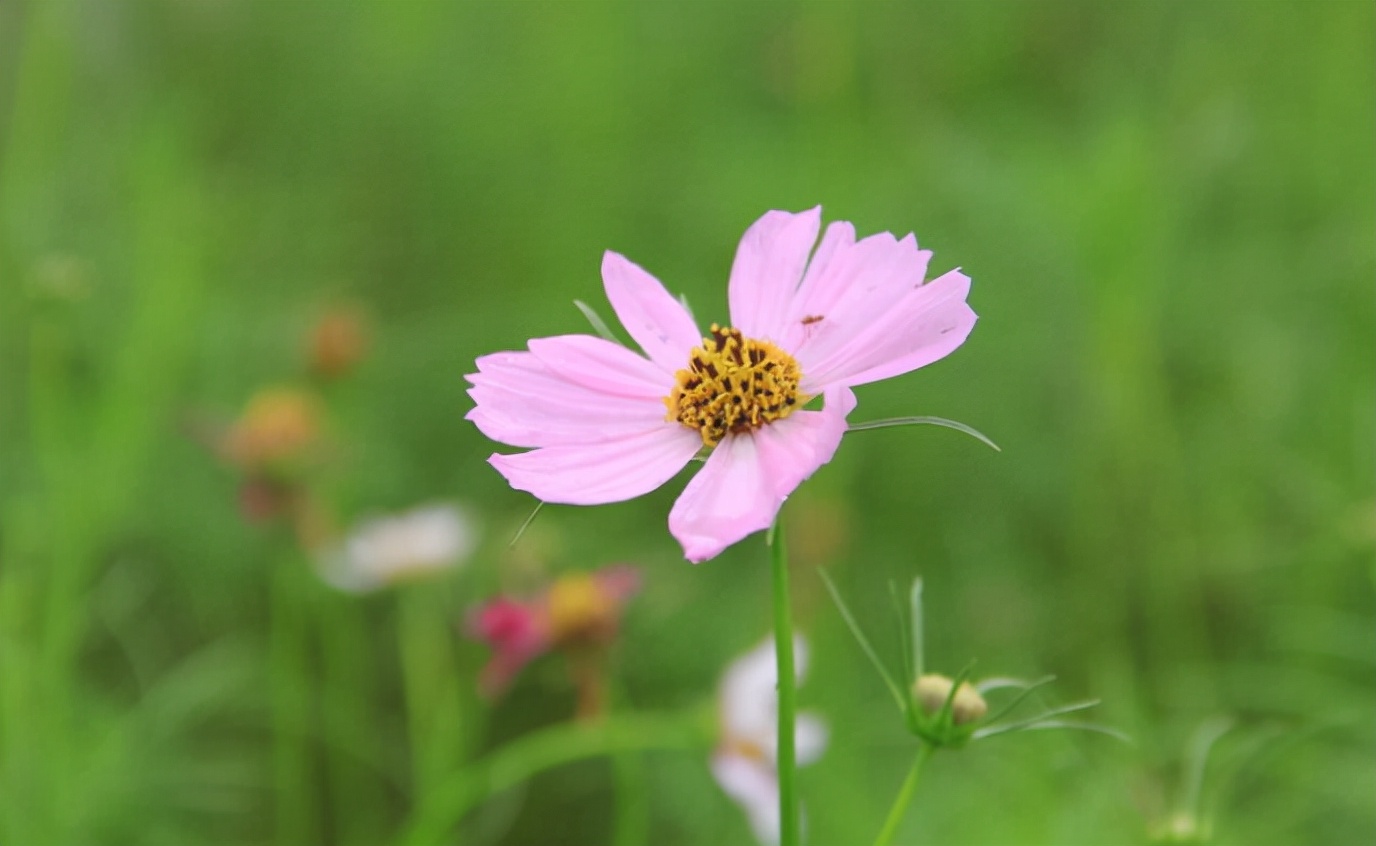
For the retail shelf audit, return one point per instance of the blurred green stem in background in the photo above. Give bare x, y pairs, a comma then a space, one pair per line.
531, 754
1173, 280
296, 816
905, 796
357, 793
783, 649
631, 825
90, 427
433, 706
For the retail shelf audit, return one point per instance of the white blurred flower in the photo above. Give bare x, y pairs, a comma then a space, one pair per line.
746, 761
387, 550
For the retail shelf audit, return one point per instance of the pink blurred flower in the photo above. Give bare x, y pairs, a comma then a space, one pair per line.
745, 763
803, 327
517, 633
579, 612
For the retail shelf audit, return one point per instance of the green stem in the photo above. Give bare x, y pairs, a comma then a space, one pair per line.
783, 648
631, 825
434, 710
357, 792
288, 654
525, 757
905, 796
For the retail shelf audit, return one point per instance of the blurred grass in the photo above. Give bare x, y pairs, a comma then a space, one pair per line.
1166, 208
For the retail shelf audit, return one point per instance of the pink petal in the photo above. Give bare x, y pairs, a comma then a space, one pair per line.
727, 500
927, 324
611, 471
857, 287
768, 267
792, 449
602, 366
748, 477
754, 785
819, 291
521, 402
618, 582
657, 321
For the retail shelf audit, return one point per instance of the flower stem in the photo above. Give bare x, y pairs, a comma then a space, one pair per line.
783, 649
905, 796
434, 710
631, 825
289, 657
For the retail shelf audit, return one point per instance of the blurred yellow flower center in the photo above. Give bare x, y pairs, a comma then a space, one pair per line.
278, 423
734, 384
579, 607
746, 749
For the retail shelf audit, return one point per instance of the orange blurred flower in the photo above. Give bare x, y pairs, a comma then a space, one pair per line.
338, 341
279, 427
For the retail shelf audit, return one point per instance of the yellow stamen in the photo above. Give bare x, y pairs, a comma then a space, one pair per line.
734, 384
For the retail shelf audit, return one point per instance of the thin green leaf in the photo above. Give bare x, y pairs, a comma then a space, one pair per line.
918, 641
1201, 745
1090, 727
531, 519
864, 643
1249, 752
924, 421
905, 637
1020, 698
948, 707
990, 685
992, 730
598, 324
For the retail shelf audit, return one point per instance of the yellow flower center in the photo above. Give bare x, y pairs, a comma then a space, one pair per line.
734, 384
279, 424
746, 749
580, 608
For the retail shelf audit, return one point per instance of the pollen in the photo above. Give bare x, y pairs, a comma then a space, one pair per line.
734, 384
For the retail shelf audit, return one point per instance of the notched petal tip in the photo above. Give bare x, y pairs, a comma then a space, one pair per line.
768, 268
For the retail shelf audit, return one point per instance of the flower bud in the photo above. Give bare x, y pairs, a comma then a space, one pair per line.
337, 342
279, 424
933, 689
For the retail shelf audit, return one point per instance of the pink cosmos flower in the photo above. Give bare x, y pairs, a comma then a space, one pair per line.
607, 424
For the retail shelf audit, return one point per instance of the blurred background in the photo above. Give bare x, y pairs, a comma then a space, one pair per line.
1167, 209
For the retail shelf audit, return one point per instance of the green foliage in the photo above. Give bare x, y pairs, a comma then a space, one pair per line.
1166, 209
